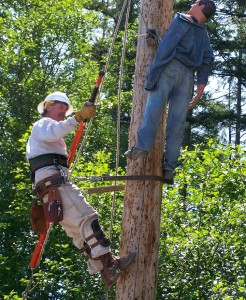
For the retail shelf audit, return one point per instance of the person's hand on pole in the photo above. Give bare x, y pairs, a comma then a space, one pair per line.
87, 112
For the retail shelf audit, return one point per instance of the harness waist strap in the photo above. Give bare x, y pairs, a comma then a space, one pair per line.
46, 160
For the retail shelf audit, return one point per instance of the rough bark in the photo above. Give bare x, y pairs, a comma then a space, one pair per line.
141, 215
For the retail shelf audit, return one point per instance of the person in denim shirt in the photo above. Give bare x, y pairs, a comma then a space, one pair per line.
184, 49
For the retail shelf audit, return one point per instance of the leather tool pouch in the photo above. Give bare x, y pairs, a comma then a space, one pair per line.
53, 207
38, 221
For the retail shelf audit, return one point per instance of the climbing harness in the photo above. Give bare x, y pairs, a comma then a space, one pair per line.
48, 182
46, 160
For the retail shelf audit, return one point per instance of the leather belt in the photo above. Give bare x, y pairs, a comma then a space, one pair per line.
56, 179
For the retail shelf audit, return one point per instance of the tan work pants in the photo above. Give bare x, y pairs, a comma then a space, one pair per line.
77, 217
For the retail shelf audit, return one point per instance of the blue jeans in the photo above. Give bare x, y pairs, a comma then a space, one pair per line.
176, 85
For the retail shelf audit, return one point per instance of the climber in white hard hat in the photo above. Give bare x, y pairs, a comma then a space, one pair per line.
55, 97
62, 201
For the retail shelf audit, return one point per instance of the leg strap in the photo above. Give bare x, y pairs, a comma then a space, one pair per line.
88, 247
98, 235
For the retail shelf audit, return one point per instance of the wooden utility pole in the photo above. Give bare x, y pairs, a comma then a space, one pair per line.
142, 203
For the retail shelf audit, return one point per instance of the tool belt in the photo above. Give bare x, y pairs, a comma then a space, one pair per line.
41, 187
53, 209
46, 160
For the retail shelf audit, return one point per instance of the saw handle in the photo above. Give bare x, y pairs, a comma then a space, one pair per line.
39, 248
96, 86
81, 127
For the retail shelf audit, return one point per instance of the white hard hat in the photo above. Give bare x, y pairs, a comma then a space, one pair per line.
59, 96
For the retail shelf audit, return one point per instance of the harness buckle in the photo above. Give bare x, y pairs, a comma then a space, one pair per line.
55, 161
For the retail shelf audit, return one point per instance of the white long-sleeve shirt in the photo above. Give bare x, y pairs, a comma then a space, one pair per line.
47, 136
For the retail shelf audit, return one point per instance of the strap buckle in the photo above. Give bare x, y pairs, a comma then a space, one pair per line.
55, 161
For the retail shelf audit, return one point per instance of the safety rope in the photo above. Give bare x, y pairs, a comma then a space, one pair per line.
119, 113
30, 286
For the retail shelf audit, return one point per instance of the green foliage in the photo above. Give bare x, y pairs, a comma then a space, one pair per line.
202, 253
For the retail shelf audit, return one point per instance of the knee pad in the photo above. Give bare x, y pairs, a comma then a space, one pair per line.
99, 234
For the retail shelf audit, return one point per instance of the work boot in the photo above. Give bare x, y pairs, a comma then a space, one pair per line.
113, 267
168, 176
135, 153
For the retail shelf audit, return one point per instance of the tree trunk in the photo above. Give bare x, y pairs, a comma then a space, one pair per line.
141, 215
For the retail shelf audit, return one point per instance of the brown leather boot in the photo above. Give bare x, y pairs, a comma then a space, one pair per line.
113, 267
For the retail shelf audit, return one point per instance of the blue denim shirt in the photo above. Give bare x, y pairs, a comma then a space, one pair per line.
187, 42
